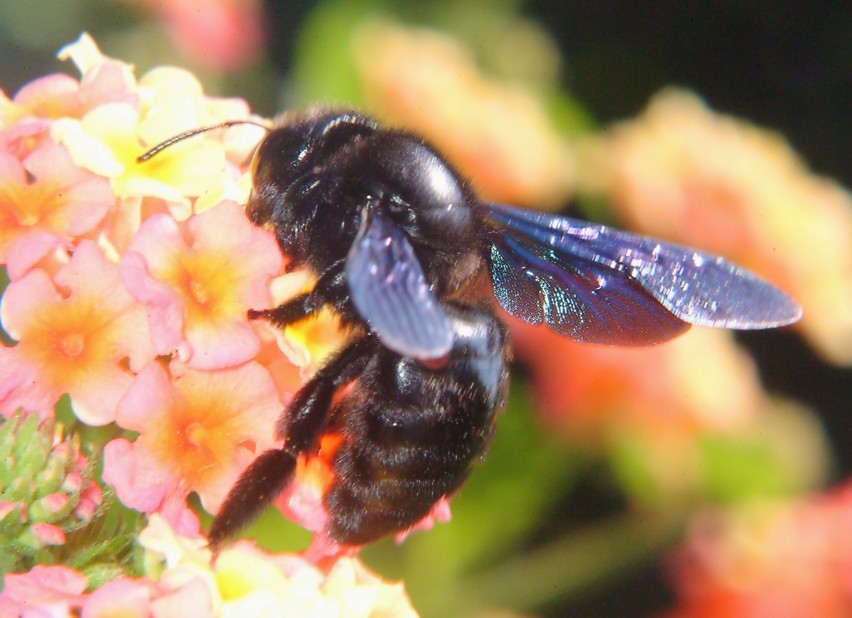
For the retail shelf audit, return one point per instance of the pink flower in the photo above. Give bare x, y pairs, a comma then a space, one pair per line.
786, 560
55, 96
224, 35
28, 117
197, 432
198, 281
77, 334
45, 201
45, 591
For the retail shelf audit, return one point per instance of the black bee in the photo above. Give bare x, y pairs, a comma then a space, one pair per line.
407, 256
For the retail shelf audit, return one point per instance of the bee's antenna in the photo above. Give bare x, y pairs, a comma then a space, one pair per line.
192, 132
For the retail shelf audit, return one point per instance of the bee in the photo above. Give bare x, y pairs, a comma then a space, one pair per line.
409, 258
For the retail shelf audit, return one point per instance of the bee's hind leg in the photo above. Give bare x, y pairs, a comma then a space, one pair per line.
299, 427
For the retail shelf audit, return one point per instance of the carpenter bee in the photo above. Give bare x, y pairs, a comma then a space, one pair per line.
408, 257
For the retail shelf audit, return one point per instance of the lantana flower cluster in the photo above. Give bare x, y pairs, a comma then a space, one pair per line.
243, 581
129, 288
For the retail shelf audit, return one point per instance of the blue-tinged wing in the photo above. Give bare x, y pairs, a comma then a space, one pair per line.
598, 284
390, 292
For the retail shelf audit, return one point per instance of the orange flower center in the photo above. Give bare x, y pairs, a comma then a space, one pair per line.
198, 436
72, 344
28, 206
69, 341
208, 286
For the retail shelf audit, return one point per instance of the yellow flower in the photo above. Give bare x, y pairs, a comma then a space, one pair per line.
245, 581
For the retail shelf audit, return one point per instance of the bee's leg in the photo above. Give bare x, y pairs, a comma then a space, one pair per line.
304, 418
299, 427
330, 289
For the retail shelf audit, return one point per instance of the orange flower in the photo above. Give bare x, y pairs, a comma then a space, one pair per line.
198, 431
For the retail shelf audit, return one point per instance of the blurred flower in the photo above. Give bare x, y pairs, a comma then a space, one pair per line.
785, 559
225, 34
46, 491
681, 172
700, 380
682, 419
497, 133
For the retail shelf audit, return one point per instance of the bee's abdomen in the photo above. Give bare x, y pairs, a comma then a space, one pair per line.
412, 434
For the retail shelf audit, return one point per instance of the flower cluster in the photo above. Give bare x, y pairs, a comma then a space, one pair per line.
130, 281
789, 559
243, 581
129, 287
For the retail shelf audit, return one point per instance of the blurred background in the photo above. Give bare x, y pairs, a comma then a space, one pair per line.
621, 482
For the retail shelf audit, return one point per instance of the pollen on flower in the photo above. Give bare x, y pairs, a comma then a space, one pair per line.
302, 501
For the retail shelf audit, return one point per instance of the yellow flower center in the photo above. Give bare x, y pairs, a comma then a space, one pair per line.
196, 433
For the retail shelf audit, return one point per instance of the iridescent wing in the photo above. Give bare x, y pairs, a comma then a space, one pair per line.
598, 284
391, 293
